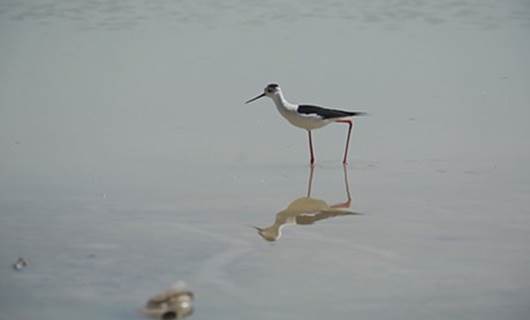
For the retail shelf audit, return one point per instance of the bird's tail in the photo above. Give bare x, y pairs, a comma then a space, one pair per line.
357, 114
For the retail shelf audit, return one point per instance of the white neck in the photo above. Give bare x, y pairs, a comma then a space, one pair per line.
281, 103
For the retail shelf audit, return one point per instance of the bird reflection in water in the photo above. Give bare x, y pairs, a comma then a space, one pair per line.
307, 210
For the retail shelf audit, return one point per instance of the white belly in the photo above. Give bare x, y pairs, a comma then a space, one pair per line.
308, 122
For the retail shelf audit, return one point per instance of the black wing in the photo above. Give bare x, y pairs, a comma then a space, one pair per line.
326, 113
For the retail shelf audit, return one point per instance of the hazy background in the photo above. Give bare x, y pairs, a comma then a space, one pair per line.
128, 160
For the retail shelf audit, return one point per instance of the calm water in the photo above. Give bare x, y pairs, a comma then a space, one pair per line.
128, 160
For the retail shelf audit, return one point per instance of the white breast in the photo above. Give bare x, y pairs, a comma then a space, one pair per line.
288, 111
308, 122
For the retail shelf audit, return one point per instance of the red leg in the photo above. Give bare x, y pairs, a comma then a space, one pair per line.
350, 123
312, 161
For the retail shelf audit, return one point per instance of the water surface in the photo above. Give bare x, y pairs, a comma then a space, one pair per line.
129, 161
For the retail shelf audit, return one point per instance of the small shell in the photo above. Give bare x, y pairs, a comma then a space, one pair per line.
20, 264
174, 303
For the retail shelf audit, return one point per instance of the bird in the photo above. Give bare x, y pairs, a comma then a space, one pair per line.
306, 211
309, 117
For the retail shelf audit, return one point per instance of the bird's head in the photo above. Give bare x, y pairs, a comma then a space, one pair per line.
270, 91
270, 234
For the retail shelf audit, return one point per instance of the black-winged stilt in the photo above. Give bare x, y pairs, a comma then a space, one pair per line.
309, 117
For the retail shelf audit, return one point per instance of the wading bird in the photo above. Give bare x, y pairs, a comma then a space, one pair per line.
309, 117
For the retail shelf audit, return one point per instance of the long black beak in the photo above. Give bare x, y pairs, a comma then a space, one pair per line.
256, 98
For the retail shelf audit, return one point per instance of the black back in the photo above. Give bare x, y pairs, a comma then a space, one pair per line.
326, 113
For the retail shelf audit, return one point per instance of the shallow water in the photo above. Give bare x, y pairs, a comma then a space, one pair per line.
129, 161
